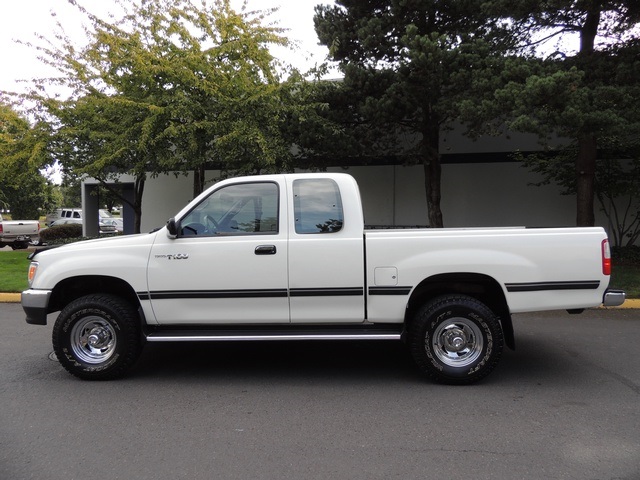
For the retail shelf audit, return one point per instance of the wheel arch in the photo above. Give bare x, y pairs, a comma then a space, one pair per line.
479, 286
72, 288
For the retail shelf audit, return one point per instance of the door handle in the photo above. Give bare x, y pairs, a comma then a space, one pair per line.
265, 250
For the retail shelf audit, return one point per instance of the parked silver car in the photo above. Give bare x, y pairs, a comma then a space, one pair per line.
116, 222
105, 229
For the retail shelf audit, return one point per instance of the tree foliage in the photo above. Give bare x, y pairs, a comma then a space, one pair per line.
319, 127
23, 152
409, 67
173, 86
587, 97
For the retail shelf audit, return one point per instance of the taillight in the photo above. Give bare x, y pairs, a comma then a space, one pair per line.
606, 257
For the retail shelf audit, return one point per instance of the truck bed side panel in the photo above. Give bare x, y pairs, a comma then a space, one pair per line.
538, 269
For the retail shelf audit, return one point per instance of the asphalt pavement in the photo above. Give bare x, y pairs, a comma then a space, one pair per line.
564, 405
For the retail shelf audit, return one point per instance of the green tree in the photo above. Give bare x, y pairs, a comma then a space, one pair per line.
23, 189
319, 124
408, 69
587, 96
172, 87
70, 192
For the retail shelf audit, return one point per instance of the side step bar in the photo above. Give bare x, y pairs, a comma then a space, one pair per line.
274, 334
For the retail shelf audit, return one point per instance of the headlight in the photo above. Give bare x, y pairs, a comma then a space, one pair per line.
33, 267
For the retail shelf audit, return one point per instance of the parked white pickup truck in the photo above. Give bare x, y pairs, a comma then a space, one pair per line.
287, 257
18, 234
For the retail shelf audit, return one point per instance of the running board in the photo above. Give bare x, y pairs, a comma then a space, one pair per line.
273, 334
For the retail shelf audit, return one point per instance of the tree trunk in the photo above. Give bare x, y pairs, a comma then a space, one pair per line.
198, 180
585, 180
137, 207
432, 173
587, 142
589, 30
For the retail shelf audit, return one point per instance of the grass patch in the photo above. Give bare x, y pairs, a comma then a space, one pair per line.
13, 271
626, 270
627, 278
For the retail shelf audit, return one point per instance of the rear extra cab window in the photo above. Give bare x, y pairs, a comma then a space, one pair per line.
317, 206
241, 209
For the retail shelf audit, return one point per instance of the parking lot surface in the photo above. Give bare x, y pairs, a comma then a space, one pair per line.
564, 405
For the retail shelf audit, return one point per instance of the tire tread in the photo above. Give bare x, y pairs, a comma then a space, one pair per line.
129, 325
417, 331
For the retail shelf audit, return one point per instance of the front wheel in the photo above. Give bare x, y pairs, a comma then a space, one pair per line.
97, 337
455, 339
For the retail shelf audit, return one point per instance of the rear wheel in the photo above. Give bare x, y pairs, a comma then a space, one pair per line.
97, 337
455, 339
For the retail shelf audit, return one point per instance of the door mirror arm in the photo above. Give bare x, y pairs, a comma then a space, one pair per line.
172, 228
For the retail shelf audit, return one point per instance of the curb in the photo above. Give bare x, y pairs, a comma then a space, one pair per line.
9, 298
15, 298
628, 304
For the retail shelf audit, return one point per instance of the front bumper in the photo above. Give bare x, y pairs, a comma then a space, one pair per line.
613, 298
35, 304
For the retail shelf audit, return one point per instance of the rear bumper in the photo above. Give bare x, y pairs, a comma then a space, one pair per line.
8, 242
35, 304
613, 298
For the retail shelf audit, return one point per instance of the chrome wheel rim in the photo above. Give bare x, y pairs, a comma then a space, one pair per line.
457, 342
93, 340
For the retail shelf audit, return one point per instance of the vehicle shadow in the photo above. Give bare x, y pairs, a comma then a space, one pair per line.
362, 362
536, 360
284, 361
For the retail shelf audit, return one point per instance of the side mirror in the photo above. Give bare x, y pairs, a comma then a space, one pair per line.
172, 228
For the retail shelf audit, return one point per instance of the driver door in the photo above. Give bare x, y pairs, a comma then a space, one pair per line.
228, 263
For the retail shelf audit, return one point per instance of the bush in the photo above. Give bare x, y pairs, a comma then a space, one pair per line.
58, 233
626, 255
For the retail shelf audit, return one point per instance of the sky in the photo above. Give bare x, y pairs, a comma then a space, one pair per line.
21, 20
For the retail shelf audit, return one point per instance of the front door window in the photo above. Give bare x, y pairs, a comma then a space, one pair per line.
245, 209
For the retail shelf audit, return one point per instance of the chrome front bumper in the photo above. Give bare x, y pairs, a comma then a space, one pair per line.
35, 304
613, 298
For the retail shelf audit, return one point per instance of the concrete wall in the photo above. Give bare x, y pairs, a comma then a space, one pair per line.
473, 195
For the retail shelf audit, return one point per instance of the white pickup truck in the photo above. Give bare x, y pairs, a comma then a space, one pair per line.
287, 257
18, 234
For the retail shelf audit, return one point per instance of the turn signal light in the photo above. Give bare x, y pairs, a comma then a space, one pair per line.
32, 271
606, 257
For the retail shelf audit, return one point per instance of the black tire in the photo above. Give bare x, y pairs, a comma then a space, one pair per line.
97, 337
455, 339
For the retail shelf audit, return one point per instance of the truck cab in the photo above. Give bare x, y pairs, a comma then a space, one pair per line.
279, 243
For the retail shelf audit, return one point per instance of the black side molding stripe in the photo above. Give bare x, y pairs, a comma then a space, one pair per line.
389, 290
349, 291
267, 293
327, 292
543, 286
165, 295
